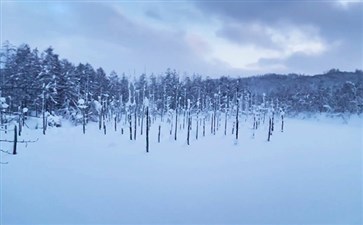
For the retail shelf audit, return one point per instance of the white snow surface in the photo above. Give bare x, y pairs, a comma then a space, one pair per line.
309, 174
146, 102
81, 101
97, 106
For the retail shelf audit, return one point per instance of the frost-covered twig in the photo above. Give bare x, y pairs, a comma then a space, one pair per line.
23, 141
7, 152
26, 125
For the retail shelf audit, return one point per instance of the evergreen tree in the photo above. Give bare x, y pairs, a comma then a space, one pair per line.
50, 76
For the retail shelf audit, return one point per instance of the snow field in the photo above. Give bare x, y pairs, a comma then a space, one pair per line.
310, 174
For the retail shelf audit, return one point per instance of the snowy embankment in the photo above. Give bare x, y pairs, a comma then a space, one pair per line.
310, 174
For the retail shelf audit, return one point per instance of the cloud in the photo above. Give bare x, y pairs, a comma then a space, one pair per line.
313, 64
102, 34
332, 21
242, 46
198, 44
245, 33
285, 38
153, 14
282, 32
345, 4
206, 37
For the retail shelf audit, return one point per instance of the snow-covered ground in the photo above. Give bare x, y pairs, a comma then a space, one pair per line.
310, 174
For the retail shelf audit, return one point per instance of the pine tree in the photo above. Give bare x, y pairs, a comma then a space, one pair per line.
50, 76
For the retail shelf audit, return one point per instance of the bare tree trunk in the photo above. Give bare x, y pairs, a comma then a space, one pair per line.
164, 101
83, 121
20, 125
15, 140
1, 117
272, 123
43, 113
142, 121
225, 122
189, 123
197, 130
214, 120
282, 123
159, 133
184, 118
269, 129
130, 126
254, 124
211, 124
176, 123
237, 121
135, 124
147, 129
203, 127
100, 120
115, 123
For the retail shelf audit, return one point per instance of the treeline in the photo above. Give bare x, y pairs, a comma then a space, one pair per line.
42, 82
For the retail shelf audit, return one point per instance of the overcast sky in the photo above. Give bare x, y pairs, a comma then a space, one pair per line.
236, 38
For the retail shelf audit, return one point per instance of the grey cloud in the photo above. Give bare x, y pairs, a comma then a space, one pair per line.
341, 28
97, 28
97, 32
316, 12
332, 20
348, 60
153, 14
243, 33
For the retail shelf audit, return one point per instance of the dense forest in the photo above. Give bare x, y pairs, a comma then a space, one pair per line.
34, 82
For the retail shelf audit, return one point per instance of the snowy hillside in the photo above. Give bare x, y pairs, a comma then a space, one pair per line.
309, 174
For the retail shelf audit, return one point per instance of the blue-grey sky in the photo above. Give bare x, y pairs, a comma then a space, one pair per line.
214, 38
